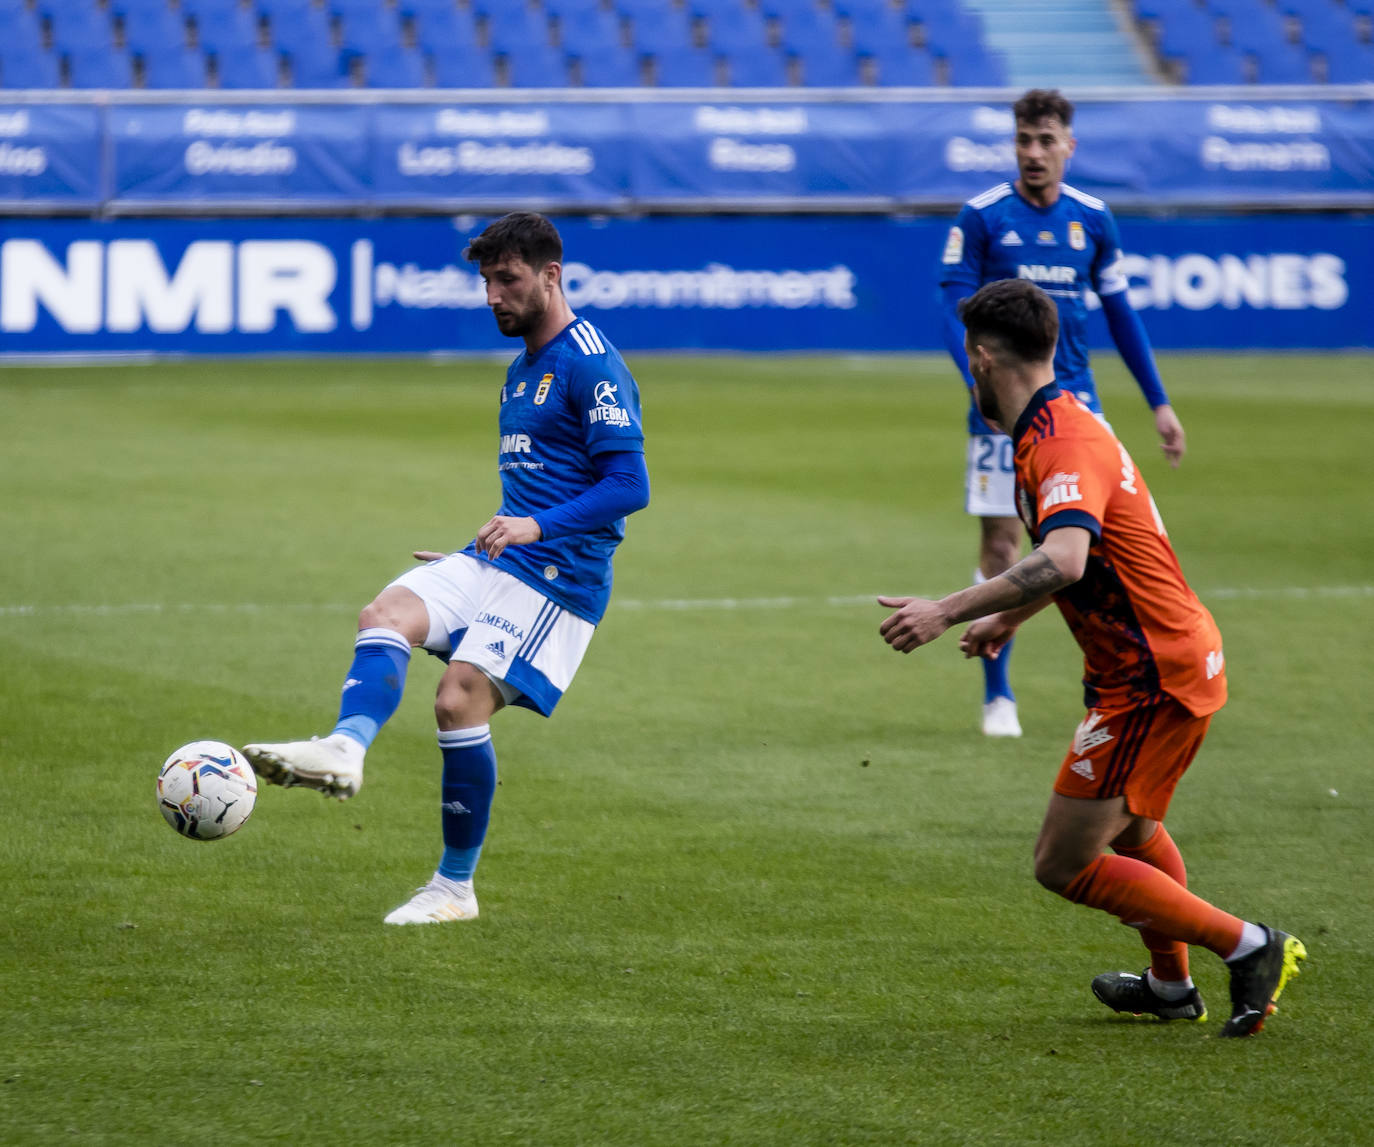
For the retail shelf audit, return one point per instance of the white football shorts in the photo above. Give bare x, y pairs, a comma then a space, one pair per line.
529, 646
990, 478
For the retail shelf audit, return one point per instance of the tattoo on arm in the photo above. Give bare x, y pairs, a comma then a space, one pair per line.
1036, 575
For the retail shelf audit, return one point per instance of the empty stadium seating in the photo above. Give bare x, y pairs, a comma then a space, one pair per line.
1261, 41
627, 43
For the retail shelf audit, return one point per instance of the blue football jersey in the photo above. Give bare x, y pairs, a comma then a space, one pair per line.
560, 408
1066, 250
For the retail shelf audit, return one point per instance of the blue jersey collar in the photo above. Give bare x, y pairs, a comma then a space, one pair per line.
1045, 394
537, 355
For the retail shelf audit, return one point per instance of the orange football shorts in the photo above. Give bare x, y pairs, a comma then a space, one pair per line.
1139, 752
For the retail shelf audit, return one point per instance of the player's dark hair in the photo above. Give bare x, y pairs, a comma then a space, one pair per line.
524, 233
1015, 313
1041, 103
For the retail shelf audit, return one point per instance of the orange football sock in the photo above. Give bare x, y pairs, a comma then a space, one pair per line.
1168, 958
1144, 897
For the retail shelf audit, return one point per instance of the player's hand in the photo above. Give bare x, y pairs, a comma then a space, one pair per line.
1171, 436
428, 556
500, 532
917, 622
986, 637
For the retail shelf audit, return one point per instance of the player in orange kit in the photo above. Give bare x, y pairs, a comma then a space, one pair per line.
1153, 669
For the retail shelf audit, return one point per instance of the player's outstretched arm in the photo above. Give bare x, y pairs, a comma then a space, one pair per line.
1128, 332
1057, 562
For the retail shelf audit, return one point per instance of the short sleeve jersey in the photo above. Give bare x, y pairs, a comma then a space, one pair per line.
1141, 628
561, 407
1066, 250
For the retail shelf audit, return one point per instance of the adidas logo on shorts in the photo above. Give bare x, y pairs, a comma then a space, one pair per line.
1084, 769
498, 648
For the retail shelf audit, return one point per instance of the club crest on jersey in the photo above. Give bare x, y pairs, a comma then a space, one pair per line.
1078, 238
954, 246
607, 408
543, 391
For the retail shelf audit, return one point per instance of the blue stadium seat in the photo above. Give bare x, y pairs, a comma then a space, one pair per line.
1324, 26
79, 31
975, 66
825, 66
98, 67
1256, 31
19, 32
880, 31
1186, 31
462, 69
181, 68
153, 31
899, 65
126, 7
806, 28
439, 30
401, 68
760, 68
1281, 64
222, 29
246, 68
368, 31
692, 68
513, 30
735, 31
576, 9
27, 69
590, 32
1354, 65
605, 66
661, 30
303, 37
857, 10
1213, 65
535, 66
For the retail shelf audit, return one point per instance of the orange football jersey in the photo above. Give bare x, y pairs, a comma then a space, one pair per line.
1141, 628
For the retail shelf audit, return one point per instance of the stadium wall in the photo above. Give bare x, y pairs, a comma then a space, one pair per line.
810, 222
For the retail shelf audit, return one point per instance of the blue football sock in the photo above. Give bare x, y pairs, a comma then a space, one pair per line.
468, 787
374, 685
996, 681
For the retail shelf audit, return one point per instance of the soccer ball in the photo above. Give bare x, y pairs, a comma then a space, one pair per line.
206, 790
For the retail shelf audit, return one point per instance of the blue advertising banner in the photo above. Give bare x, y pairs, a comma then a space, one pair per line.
51, 155
602, 154
574, 156
209, 154
400, 286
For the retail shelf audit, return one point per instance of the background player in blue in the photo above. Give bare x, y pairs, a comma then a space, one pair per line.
1039, 228
513, 612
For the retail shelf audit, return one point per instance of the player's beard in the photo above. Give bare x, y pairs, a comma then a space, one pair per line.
987, 403
517, 324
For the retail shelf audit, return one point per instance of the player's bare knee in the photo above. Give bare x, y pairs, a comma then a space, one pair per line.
402, 612
1056, 870
465, 697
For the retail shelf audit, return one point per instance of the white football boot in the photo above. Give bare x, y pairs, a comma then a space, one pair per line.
331, 765
438, 902
999, 718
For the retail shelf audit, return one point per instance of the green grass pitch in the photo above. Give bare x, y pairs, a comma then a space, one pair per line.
760, 881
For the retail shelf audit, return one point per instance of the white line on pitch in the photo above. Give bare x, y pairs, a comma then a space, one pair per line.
670, 604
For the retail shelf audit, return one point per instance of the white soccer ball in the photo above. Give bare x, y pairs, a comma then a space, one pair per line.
206, 790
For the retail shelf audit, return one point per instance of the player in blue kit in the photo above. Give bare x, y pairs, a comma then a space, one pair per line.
1039, 228
513, 612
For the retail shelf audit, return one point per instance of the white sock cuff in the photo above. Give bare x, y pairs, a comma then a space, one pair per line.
464, 738
380, 636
